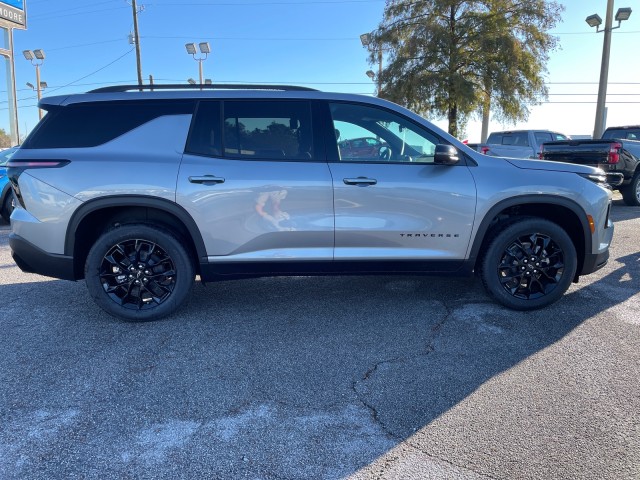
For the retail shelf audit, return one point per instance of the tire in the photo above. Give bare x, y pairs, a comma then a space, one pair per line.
529, 264
139, 273
7, 206
631, 192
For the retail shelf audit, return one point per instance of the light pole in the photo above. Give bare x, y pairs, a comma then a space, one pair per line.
595, 21
367, 41
205, 50
36, 57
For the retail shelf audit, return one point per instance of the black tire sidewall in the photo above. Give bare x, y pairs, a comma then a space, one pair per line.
495, 251
5, 208
185, 271
629, 191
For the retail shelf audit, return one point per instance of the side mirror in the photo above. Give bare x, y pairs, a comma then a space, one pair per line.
446, 155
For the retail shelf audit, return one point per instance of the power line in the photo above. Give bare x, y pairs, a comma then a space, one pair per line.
53, 12
96, 71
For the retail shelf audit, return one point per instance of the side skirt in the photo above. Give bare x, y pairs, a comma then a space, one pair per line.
210, 272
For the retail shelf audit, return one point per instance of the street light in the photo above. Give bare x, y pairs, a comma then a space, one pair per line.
43, 85
367, 41
205, 50
191, 81
36, 57
595, 21
370, 74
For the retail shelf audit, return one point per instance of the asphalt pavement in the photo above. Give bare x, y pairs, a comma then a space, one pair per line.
343, 377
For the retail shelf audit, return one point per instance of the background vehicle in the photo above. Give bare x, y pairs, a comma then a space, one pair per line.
138, 192
367, 147
518, 143
6, 193
628, 132
613, 155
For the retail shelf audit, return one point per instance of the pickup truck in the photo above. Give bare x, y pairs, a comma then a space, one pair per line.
518, 143
618, 157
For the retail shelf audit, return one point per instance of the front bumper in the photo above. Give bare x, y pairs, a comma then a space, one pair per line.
32, 259
594, 262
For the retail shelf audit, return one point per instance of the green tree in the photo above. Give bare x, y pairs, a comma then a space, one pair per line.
5, 140
450, 58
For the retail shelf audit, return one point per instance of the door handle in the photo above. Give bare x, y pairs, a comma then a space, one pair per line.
207, 179
360, 181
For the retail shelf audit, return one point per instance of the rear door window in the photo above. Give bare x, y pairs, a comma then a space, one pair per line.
270, 130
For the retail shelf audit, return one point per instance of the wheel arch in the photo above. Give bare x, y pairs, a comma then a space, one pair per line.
93, 217
564, 212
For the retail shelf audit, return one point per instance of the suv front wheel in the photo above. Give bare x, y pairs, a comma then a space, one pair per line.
529, 264
138, 272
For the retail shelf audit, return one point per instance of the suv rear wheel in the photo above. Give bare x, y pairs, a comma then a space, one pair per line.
138, 272
529, 264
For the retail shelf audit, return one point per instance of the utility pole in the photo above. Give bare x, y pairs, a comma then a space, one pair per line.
604, 72
137, 40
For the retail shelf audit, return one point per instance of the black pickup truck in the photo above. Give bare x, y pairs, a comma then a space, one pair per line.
614, 153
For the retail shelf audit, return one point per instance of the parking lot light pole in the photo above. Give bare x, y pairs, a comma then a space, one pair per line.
595, 21
205, 49
36, 57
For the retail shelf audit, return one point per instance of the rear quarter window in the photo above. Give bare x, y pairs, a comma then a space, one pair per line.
92, 124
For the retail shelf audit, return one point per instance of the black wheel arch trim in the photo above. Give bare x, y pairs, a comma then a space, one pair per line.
163, 204
528, 200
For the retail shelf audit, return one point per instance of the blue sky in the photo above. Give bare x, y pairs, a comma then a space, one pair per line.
307, 42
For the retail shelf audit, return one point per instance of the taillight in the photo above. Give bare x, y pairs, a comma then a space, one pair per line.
484, 150
614, 153
36, 163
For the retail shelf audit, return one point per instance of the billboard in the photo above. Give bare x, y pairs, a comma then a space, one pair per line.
12, 13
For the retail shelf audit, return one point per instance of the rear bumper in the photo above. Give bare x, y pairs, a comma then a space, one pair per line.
594, 262
32, 259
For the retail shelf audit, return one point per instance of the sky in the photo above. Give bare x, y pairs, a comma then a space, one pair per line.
314, 43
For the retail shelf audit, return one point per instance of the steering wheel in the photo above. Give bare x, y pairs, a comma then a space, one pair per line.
384, 153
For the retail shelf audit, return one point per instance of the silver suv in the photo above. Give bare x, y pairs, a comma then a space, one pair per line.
139, 191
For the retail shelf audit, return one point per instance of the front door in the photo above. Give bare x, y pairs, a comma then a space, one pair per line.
395, 203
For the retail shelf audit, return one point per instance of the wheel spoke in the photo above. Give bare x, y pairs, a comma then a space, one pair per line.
531, 266
137, 274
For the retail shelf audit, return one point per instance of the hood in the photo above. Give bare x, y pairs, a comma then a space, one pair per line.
552, 166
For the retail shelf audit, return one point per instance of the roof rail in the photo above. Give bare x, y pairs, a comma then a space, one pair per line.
213, 86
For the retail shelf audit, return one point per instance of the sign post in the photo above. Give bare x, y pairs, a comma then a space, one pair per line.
13, 15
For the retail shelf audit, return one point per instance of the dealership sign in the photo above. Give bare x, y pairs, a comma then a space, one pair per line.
12, 13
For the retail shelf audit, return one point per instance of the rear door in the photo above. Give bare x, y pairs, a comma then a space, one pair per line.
256, 182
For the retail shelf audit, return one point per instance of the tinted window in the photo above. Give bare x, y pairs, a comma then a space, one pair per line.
92, 124
542, 137
520, 139
495, 138
626, 133
267, 130
370, 134
206, 136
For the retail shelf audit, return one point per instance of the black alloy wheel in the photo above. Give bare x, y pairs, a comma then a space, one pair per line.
139, 272
529, 263
531, 266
